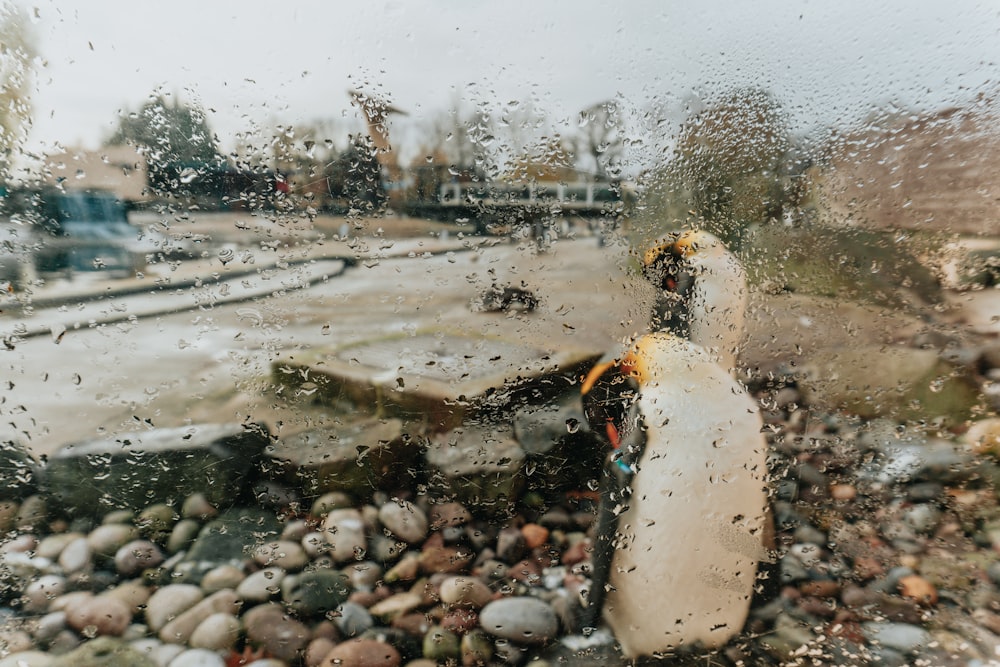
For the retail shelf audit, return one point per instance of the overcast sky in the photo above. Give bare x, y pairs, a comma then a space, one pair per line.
259, 62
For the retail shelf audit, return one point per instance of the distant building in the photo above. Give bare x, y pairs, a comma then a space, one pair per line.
933, 172
118, 169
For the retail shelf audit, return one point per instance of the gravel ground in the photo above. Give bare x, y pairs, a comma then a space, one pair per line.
885, 553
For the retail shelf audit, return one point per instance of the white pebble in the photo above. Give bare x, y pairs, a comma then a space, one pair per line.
198, 657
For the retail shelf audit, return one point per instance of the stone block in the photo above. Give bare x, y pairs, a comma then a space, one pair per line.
135, 470
356, 458
479, 466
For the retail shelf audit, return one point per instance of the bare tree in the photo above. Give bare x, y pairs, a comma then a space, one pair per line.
599, 141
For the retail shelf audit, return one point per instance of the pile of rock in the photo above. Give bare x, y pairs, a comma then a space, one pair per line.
885, 552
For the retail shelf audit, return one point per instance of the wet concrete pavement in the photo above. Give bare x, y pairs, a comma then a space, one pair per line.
111, 361
194, 341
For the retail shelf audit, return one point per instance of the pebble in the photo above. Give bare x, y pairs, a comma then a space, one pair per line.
317, 651
52, 545
524, 620
169, 602
363, 653
534, 535
136, 556
77, 556
99, 615
287, 555
448, 515
902, 637
27, 659
423, 578
441, 645
107, 538
179, 630
315, 592
222, 577
364, 575
218, 632
198, 657
268, 627
344, 530
468, 591
261, 585
334, 500
40, 592
919, 589
196, 506
353, 620
404, 520
184, 533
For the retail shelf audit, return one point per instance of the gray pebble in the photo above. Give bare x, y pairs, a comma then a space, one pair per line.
902, 637
285, 554
404, 520
923, 518
197, 506
107, 538
77, 556
169, 602
364, 575
218, 632
524, 620
198, 657
51, 546
222, 577
183, 534
344, 530
262, 585
353, 619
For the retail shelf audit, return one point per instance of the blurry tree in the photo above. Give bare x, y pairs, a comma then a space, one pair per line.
729, 165
551, 159
17, 55
182, 157
169, 133
600, 140
354, 178
455, 138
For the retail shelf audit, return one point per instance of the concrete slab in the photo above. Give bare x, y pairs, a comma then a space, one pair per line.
438, 378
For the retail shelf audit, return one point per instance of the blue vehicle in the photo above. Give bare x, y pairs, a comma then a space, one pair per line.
88, 231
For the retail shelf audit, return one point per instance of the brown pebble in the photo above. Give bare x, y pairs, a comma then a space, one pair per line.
857, 597
867, 567
445, 559
369, 598
988, 620
823, 608
843, 492
317, 651
527, 570
576, 553
534, 535
849, 630
448, 515
101, 615
362, 653
917, 588
460, 620
898, 609
822, 588
414, 624
406, 569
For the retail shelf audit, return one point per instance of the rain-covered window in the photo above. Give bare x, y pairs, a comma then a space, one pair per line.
413, 333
